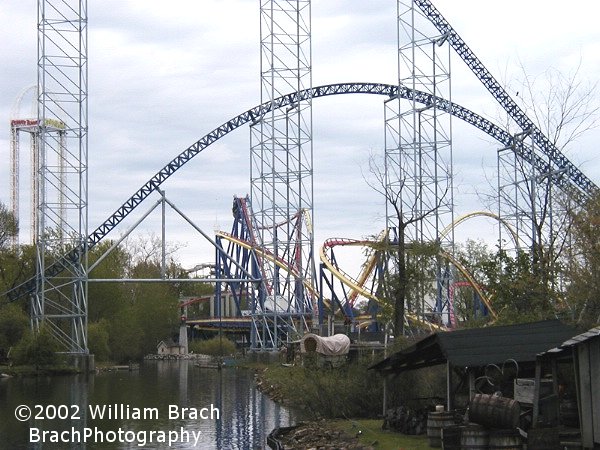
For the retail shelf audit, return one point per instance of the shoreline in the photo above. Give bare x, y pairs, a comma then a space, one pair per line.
306, 433
32, 371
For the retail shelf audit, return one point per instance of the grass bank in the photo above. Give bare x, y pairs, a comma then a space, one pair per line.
349, 399
370, 434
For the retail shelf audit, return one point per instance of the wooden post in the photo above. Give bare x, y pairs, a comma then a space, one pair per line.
554, 363
385, 378
585, 386
536, 391
385, 382
471, 384
449, 394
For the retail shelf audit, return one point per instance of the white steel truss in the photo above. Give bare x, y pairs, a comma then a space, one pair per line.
60, 302
530, 201
418, 146
281, 174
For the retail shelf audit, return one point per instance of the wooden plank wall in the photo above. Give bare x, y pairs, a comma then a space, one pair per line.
588, 354
594, 348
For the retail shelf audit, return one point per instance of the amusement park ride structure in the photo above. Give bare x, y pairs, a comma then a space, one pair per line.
59, 172
266, 263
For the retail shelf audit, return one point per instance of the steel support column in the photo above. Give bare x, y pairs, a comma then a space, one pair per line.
418, 149
60, 301
281, 172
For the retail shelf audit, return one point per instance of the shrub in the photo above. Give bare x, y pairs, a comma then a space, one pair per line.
39, 349
217, 346
351, 390
348, 391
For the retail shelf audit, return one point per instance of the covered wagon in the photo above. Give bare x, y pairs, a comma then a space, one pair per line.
325, 352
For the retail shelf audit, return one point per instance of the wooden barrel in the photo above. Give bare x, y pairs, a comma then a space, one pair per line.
494, 412
451, 437
474, 437
436, 421
505, 440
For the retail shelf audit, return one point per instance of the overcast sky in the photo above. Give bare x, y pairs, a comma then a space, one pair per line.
163, 74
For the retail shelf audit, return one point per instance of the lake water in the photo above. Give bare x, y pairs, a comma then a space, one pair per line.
139, 409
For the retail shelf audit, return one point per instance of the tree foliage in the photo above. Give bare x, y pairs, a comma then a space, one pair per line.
105, 300
98, 339
399, 278
14, 324
37, 348
583, 267
518, 293
419, 270
554, 275
9, 226
216, 346
126, 320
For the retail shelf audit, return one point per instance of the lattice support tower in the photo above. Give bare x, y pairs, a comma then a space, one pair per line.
418, 149
281, 171
531, 200
60, 301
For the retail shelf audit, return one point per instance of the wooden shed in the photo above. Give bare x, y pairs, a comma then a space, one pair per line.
469, 349
583, 352
169, 348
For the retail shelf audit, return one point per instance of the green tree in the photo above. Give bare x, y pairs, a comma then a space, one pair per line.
16, 263
145, 313
98, 339
156, 307
37, 348
583, 266
419, 270
107, 300
14, 323
516, 291
564, 108
472, 255
136, 316
16, 266
125, 337
216, 346
398, 287
9, 226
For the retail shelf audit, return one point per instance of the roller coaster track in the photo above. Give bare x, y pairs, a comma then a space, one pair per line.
357, 286
368, 268
268, 256
252, 227
575, 178
470, 215
342, 276
502, 97
465, 273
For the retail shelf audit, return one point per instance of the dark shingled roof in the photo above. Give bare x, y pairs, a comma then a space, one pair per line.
479, 346
576, 340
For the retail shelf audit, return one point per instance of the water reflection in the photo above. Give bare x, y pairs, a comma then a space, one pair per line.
246, 415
